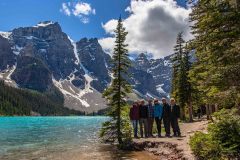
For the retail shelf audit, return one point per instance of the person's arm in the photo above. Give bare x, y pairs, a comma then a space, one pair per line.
160, 111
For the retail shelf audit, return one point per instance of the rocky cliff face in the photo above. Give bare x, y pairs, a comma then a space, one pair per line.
45, 57
160, 71
95, 61
31, 72
51, 45
7, 58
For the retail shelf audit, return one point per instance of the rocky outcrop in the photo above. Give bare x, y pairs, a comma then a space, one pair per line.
7, 58
52, 46
143, 82
95, 61
31, 72
160, 71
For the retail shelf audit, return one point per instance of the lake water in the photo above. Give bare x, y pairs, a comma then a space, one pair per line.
55, 138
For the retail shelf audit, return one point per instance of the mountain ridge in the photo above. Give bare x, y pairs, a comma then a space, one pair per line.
43, 56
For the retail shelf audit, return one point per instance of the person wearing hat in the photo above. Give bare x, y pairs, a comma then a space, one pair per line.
158, 110
166, 117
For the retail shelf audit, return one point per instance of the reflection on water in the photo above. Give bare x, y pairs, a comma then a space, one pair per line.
55, 138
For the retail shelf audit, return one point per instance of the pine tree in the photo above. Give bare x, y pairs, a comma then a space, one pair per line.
217, 36
178, 74
187, 83
176, 61
118, 128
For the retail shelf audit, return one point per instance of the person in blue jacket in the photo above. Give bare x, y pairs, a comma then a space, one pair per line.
158, 111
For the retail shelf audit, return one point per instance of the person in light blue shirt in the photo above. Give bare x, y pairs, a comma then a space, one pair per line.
158, 111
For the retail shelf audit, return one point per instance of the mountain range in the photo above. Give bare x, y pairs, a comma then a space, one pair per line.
44, 58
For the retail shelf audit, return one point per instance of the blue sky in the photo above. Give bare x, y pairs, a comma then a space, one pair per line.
18, 13
22, 13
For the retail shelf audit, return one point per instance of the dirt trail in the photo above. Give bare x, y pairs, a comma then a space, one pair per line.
173, 148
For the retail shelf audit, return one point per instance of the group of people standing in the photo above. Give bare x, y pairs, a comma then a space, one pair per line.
144, 115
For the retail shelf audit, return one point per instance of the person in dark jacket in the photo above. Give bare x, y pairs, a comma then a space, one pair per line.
175, 114
150, 117
134, 117
143, 111
166, 117
158, 110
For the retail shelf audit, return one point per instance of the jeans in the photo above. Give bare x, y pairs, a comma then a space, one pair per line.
135, 127
158, 121
144, 123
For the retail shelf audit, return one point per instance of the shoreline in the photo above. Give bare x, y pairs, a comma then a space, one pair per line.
172, 148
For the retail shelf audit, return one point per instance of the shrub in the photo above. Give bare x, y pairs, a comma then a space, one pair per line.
222, 140
226, 131
204, 147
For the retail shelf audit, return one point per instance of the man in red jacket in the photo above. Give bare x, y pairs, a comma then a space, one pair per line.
134, 117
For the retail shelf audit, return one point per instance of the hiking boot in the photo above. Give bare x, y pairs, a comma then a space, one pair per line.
175, 135
168, 135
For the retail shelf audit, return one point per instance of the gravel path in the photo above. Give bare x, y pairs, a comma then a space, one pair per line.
172, 148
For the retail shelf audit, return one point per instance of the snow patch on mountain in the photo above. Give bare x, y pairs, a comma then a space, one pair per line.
64, 87
6, 34
16, 49
149, 95
166, 63
160, 89
6, 76
44, 24
75, 51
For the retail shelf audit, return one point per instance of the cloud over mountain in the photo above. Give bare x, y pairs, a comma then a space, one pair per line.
152, 27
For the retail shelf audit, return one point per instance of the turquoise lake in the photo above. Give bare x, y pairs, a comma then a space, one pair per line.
23, 138
58, 138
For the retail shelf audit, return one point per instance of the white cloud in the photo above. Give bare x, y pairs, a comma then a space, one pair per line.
152, 27
65, 9
80, 9
107, 44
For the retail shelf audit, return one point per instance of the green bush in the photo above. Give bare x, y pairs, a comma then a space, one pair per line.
204, 147
222, 140
226, 131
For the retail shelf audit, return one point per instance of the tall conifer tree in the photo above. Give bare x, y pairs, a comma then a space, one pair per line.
117, 128
178, 72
